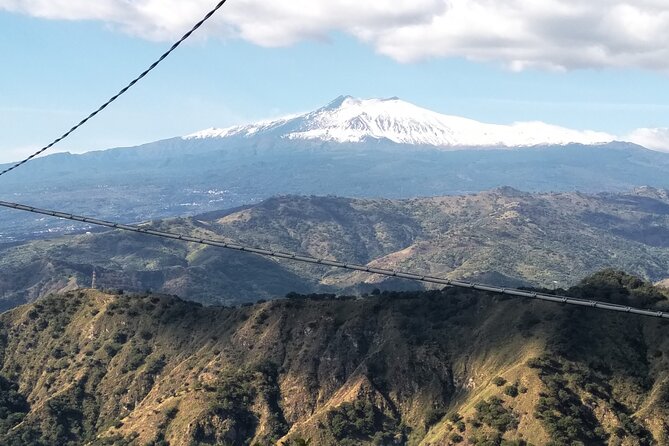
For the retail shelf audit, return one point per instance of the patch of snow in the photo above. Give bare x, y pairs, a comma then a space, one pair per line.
242, 130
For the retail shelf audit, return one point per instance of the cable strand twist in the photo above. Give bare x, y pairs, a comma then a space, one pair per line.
121, 92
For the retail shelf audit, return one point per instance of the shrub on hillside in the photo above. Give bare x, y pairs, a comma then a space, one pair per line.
456, 438
511, 390
499, 381
493, 413
357, 419
13, 405
562, 412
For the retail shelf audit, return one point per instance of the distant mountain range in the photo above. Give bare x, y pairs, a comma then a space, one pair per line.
351, 147
504, 236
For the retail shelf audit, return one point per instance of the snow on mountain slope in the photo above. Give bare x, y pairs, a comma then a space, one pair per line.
348, 119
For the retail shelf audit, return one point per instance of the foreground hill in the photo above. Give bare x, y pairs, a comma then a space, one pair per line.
502, 236
352, 148
431, 368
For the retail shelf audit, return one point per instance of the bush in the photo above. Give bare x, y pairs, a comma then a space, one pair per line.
58, 353
433, 416
235, 395
562, 412
171, 413
120, 338
454, 417
13, 405
494, 414
136, 357
155, 366
542, 363
111, 349
511, 390
499, 381
357, 419
456, 438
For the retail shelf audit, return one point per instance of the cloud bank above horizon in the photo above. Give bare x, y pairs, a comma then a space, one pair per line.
520, 34
651, 138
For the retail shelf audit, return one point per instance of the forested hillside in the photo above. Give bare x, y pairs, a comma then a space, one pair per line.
428, 368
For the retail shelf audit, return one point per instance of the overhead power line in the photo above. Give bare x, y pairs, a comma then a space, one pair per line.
349, 266
122, 91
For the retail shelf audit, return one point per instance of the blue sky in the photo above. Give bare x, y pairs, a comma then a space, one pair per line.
55, 71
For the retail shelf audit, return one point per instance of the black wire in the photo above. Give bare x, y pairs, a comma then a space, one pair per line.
349, 266
283, 255
122, 91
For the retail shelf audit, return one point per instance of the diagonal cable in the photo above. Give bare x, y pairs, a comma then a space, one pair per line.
348, 266
122, 91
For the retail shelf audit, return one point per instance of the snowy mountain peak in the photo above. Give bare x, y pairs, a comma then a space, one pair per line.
350, 101
338, 102
350, 120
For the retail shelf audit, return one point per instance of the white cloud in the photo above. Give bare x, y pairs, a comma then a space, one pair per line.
654, 139
550, 34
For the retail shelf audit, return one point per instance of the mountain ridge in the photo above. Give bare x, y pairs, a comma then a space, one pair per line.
505, 237
430, 368
181, 177
351, 120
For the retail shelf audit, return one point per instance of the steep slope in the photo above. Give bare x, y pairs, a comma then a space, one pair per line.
503, 236
94, 368
535, 238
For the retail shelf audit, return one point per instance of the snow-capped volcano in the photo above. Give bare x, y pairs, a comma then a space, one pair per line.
351, 120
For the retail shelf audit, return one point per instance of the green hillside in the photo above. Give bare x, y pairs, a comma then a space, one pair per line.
502, 236
415, 368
